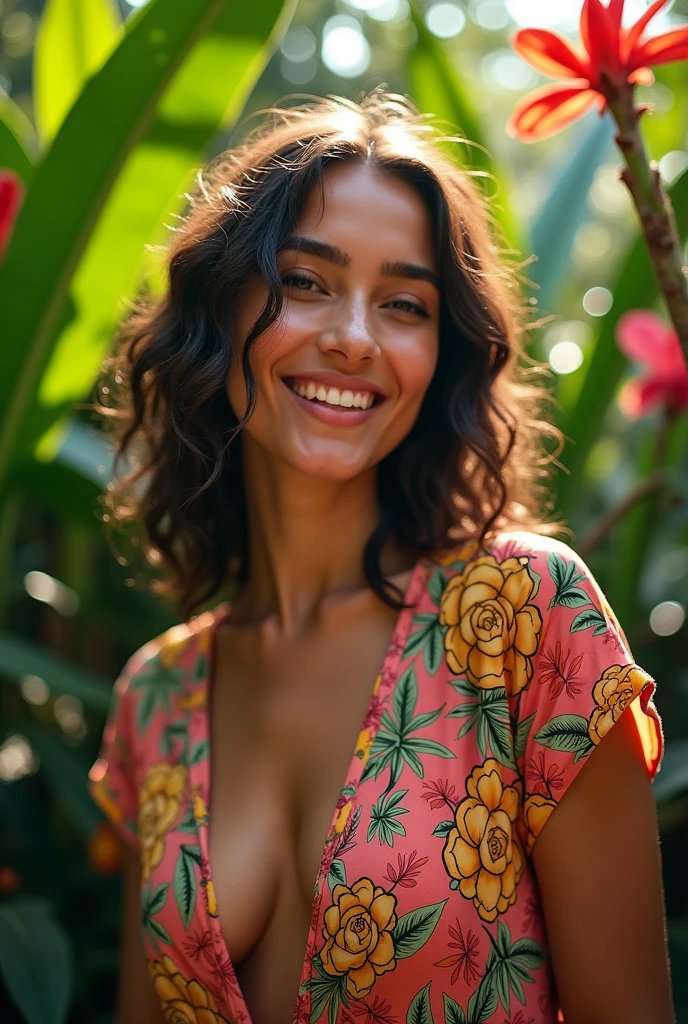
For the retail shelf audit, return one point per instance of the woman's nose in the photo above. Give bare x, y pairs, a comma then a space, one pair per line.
350, 333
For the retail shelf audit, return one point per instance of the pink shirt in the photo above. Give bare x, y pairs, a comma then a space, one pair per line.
498, 683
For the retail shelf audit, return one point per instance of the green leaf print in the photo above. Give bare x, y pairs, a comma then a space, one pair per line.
394, 745
589, 617
383, 815
405, 699
433, 648
184, 882
566, 732
487, 711
419, 1012
522, 730
438, 582
413, 930
425, 623
453, 1014
177, 730
565, 577
188, 822
443, 829
326, 988
200, 751
511, 965
483, 1002
151, 904
156, 683
336, 874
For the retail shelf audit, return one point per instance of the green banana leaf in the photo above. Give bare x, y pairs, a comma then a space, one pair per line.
208, 93
594, 385
66, 774
565, 207
632, 541
17, 140
437, 88
72, 186
35, 960
74, 39
19, 658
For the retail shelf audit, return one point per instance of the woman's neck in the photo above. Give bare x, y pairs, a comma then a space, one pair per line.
306, 541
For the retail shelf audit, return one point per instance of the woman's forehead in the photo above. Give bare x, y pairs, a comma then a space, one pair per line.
362, 205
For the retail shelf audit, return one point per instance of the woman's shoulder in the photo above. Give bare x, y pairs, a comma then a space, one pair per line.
165, 675
512, 551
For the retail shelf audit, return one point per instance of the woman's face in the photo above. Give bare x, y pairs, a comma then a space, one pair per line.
360, 319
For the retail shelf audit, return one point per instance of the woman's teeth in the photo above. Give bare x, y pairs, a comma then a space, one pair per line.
333, 396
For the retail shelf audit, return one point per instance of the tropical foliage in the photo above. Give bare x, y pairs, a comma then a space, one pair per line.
93, 172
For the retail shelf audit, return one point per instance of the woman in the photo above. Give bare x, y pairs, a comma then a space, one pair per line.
331, 419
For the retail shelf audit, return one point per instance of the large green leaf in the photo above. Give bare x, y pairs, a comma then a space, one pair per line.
35, 961
74, 39
592, 388
66, 773
17, 140
208, 92
124, 95
438, 89
564, 209
19, 658
633, 540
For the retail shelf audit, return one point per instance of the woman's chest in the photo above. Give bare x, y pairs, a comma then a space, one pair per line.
357, 854
284, 734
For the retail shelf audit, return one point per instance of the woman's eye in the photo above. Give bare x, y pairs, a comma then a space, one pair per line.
298, 281
412, 307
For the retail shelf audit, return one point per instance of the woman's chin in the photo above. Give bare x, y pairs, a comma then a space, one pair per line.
329, 463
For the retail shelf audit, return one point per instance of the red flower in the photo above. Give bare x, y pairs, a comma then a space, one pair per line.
644, 338
11, 195
466, 960
618, 54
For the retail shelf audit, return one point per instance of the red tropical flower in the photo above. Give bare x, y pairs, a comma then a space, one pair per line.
611, 55
466, 960
11, 195
646, 339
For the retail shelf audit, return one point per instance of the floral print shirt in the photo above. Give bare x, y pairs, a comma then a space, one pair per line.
499, 681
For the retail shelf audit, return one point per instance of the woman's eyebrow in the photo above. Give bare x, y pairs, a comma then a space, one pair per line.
333, 254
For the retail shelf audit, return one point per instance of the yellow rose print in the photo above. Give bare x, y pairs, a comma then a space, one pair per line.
613, 692
160, 798
536, 811
183, 1002
483, 851
493, 631
200, 811
358, 933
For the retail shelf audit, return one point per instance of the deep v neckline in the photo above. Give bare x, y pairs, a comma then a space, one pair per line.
201, 783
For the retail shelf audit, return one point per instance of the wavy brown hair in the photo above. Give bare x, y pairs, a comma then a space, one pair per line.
473, 464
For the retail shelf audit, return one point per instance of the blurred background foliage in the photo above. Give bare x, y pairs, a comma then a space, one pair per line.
106, 112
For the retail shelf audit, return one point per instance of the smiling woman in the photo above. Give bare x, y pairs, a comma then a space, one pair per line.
473, 456
337, 427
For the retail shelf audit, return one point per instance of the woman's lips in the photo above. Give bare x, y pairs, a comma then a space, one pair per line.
335, 414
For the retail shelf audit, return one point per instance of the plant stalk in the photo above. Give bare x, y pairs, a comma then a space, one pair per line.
641, 177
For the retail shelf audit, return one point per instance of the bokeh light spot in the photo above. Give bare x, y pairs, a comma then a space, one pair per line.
598, 301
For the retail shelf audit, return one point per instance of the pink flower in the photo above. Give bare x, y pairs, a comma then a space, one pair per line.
645, 339
11, 195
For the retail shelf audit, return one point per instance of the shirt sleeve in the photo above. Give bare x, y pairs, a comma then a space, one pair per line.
111, 780
584, 677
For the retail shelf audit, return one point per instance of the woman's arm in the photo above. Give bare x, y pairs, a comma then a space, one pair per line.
598, 866
137, 1002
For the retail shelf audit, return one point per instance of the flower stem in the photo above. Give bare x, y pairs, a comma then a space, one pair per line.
641, 177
